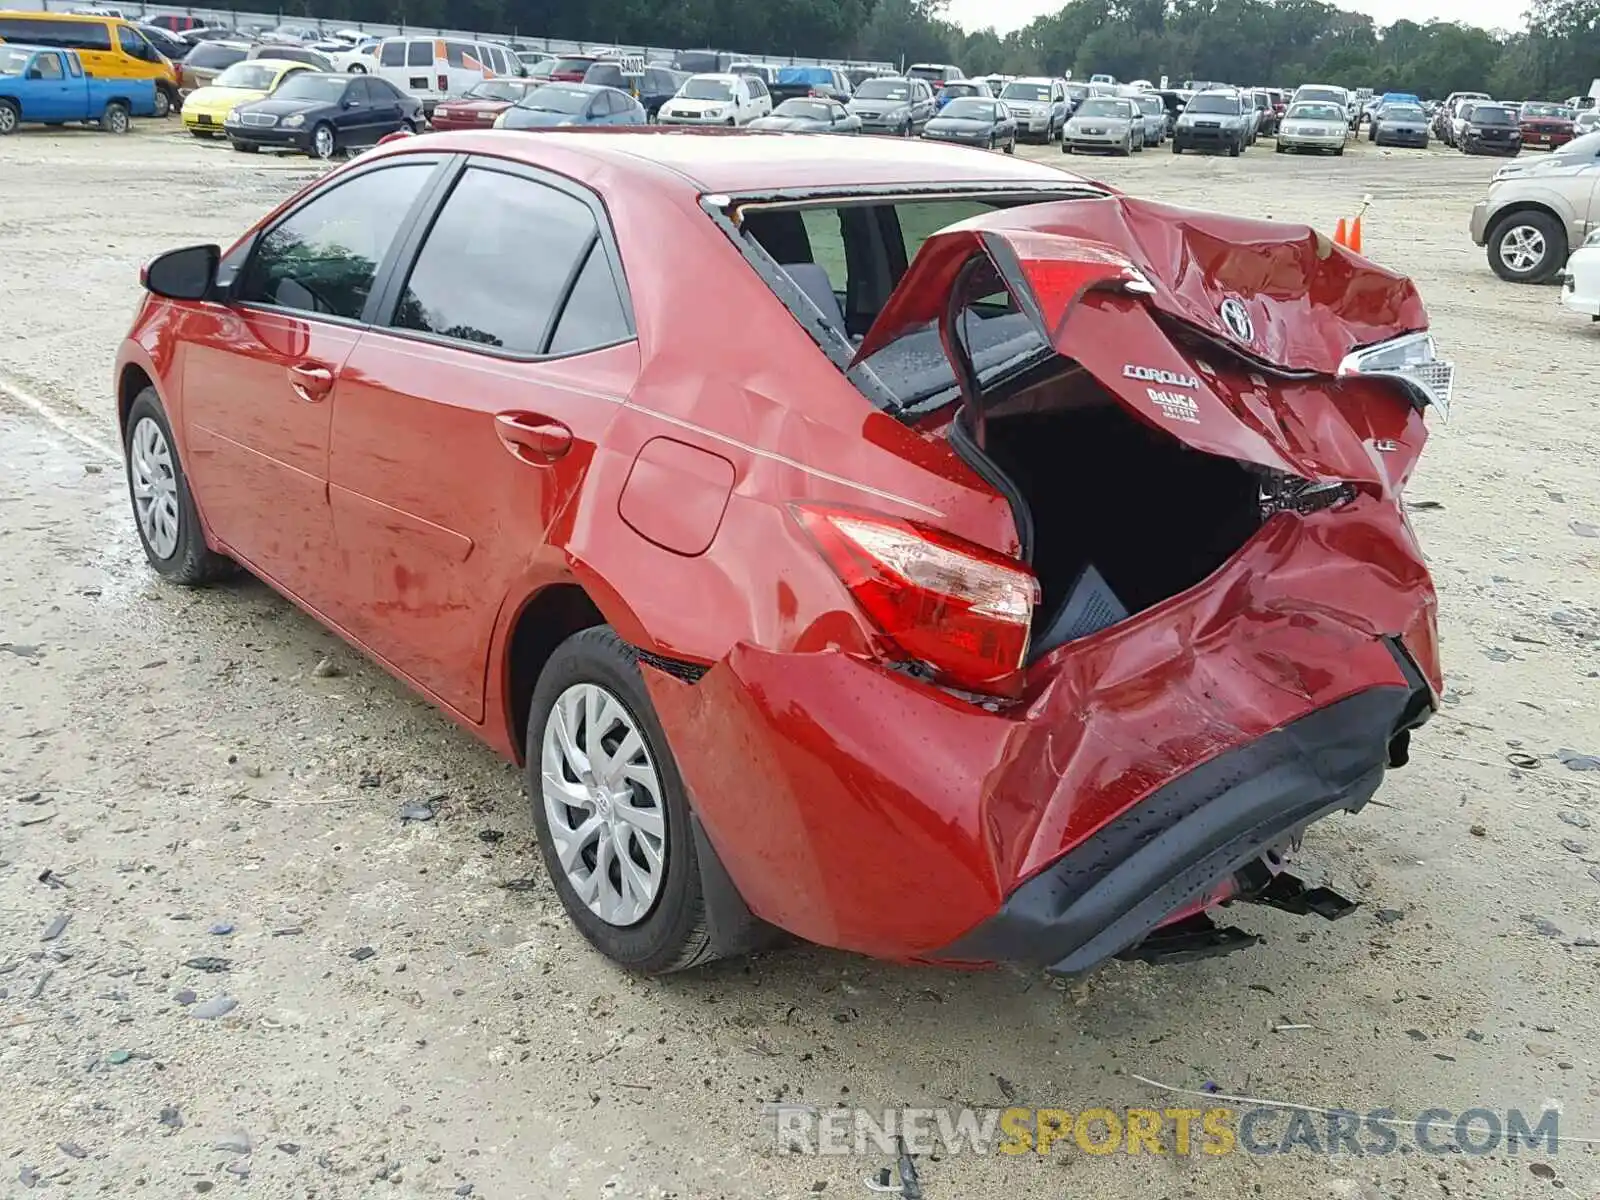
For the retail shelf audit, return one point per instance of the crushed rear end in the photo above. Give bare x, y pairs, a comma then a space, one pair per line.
1213, 627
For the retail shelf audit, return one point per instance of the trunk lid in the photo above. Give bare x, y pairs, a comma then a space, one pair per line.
1228, 333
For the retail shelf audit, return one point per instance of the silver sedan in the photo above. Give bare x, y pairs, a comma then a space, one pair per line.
1313, 125
1105, 123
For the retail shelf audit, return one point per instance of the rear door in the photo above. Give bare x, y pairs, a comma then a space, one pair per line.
467, 422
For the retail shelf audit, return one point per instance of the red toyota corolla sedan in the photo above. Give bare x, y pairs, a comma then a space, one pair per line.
479, 105
923, 551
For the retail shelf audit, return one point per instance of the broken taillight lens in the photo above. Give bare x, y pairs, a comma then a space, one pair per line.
1281, 492
962, 610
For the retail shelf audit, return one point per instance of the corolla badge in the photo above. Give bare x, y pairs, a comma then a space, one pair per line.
1236, 319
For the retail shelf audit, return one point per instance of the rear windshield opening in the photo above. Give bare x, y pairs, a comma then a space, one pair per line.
847, 258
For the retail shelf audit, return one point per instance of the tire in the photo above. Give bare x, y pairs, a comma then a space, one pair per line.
672, 932
407, 126
115, 118
1011, 146
1338, 152
164, 105
1235, 147
1126, 149
164, 512
905, 130
990, 145
1176, 147
1533, 233
324, 142
1280, 148
357, 69
10, 117
246, 147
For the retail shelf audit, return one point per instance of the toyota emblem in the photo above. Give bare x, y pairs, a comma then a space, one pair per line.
1236, 317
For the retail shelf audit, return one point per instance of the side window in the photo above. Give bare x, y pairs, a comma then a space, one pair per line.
468, 286
419, 54
359, 92
392, 54
74, 67
48, 66
323, 258
825, 232
455, 53
133, 44
593, 315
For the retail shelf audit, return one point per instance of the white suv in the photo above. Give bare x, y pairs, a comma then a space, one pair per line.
716, 100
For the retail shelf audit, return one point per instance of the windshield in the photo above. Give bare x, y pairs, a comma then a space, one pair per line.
883, 89
1557, 112
1331, 95
496, 89
572, 66
13, 61
970, 110
1033, 92
309, 86
1403, 112
1152, 106
936, 74
963, 89
256, 76
1316, 112
707, 89
1101, 107
1213, 104
1077, 91
556, 99
813, 110
1492, 114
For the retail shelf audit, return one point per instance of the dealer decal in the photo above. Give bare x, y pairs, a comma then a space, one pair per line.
1175, 406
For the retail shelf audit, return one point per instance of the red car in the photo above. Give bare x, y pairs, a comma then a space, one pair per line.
480, 104
1546, 126
571, 68
925, 552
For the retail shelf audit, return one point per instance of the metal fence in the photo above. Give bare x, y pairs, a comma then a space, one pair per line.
544, 45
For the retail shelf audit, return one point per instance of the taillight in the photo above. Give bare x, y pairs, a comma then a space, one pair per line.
444, 83
963, 610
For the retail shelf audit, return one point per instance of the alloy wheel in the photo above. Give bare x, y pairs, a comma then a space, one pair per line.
155, 487
119, 121
604, 803
322, 142
1522, 248
8, 119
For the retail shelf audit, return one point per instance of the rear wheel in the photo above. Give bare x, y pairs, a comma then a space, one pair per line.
10, 117
115, 117
611, 811
1527, 247
357, 69
408, 126
163, 102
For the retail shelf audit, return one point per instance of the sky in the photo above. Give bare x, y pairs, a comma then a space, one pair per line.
1007, 15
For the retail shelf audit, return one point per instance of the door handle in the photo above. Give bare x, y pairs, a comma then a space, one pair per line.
310, 381
535, 439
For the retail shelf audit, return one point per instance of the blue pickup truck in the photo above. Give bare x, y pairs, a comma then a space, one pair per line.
50, 87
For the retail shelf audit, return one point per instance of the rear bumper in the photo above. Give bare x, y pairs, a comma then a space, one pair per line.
860, 807
1188, 838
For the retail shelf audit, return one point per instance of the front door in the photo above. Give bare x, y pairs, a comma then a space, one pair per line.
52, 96
462, 431
261, 373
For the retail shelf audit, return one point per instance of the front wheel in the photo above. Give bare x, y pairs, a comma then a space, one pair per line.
1234, 148
1176, 148
357, 69
246, 147
408, 126
115, 117
1126, 149
323, 143
10, 117
1011, 146
1527, 247
611, 811
163, 508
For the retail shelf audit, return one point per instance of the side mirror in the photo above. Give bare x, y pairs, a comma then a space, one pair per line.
186, 274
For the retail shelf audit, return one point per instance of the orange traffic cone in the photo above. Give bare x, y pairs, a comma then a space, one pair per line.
1355, 235
1338, 233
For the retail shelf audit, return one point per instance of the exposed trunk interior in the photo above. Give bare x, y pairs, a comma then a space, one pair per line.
1108, 491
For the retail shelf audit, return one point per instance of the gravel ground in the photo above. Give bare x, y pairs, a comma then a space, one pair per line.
415, 1016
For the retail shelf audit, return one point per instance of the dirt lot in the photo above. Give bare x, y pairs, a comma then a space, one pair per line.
172, 761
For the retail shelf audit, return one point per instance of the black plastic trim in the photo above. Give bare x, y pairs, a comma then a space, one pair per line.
1171, 849
678, 668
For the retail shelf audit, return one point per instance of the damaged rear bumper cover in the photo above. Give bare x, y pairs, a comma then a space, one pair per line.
1108, 893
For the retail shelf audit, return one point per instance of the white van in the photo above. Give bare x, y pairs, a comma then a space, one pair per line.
435, 69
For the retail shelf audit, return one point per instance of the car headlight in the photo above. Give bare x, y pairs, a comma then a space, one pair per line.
713, 112
294, 122
499, 122
1411, 360
232, 118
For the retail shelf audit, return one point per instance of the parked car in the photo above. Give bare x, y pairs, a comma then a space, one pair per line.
1318, 125
359, 58
1546, 126
51, 87
283, 52
1174, 102
537, 65
688, 627
1397, 124
205, 112
1112, 123
805, 114
1529, 220
657, 85
169, 45
974, 121
559, 105
571, 68
935, 75
482, 103
893, 105
1580, 281
762, 71
108, 47
816, 82
715, 100
1218, 121
1266, 120
959, 88
200, 67
1491, 129
324, 114
1586, 122
1461, 118
1154, 111
176, 22
610, 73
1038, 105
